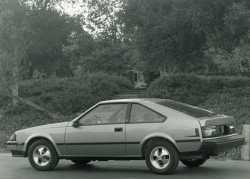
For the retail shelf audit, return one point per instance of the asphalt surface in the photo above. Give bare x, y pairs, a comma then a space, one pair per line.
19, 168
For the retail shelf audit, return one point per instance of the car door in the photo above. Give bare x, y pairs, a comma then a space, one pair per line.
142, 122
101, 132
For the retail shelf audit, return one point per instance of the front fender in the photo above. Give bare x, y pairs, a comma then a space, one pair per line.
40, 136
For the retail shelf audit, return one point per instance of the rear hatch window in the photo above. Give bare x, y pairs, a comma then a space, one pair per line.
186, 108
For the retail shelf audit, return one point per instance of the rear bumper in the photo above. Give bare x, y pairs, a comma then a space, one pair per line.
214, 146
15, 148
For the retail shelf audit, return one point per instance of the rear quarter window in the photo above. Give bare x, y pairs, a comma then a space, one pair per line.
141, 114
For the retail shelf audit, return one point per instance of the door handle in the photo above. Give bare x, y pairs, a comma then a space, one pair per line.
118, 129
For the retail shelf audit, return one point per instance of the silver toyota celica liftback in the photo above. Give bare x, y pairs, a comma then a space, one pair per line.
161, 131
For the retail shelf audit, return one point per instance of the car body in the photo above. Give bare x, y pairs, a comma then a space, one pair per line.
129, 129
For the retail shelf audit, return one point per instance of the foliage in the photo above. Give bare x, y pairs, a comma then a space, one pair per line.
13, 44
111, 58
71, 95
231, 101
102, 19
174, 36
193, 89
50, 31
168, 36
164, 34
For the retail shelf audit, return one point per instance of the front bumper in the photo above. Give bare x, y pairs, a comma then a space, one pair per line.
15, 148
214, 146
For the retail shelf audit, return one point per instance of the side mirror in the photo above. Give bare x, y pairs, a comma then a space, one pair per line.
76, 124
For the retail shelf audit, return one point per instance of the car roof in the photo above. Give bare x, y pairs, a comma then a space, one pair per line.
135, 100
175, 105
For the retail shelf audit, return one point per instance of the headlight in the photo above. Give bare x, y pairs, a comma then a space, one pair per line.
209, 131
12, 137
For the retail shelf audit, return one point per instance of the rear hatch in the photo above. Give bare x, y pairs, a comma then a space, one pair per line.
216, 120
218, 125
221, 125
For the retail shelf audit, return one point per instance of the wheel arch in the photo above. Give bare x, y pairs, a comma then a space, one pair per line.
37, 137
157, 137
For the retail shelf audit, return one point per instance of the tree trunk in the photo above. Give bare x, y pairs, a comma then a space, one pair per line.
15, 86
14, 92
163, 70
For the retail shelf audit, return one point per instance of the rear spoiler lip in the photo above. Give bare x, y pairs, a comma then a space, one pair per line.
216, 120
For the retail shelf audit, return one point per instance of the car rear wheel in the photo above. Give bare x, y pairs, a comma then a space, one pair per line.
192, 163
42, 155
80, 161
161, 157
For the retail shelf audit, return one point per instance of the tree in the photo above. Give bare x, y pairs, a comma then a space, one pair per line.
102, 19
13, 44
164, 34
80, 45
110, 58
50, 32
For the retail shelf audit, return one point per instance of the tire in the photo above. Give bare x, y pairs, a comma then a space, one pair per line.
193, 163
42, 155
80, 162
161, 157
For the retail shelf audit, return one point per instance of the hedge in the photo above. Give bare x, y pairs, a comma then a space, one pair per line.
193, 89
70, 95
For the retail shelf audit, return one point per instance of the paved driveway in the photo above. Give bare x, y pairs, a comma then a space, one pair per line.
19, 168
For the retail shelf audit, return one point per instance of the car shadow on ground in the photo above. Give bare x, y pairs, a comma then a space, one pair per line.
141, 170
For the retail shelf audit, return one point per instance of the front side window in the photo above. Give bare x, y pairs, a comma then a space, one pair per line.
105, 114
141, 114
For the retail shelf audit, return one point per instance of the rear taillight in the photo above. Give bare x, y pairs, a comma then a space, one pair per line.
218, 130
209, 131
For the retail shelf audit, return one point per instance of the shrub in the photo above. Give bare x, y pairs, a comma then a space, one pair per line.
234, 102
70, 95
193, 89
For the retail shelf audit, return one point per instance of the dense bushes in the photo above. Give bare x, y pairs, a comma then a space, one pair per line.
70, 95
234, 102
193, 89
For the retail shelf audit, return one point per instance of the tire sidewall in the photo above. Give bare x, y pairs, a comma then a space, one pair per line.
173, 154
54, 157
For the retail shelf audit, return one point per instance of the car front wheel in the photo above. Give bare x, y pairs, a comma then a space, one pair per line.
42, 155
192, 163
161, 157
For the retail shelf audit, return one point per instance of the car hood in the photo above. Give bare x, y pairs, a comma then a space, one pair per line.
47, 126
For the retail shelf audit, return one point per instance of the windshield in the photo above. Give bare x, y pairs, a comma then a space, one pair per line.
186, 108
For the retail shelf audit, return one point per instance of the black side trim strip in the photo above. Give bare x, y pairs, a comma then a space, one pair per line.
13, 143
188, 140
113, 143
99, 143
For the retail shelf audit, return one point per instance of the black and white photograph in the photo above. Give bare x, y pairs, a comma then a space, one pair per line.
129, 89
